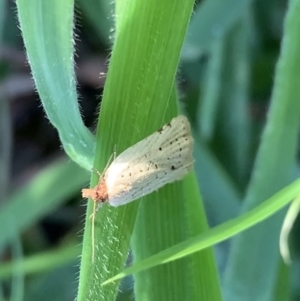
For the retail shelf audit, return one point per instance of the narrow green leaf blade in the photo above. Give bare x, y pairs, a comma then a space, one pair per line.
47, 28
216, 234
251, 252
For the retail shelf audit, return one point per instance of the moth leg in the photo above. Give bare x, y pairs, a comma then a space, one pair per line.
99, 206
97, 172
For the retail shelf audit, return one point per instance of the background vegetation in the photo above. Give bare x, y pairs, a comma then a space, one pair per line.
233, 67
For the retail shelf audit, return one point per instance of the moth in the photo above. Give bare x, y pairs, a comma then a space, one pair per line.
161, 158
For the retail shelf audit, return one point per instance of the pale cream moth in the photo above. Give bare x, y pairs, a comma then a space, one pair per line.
159, 159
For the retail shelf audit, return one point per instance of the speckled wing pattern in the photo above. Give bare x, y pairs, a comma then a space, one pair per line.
161, 158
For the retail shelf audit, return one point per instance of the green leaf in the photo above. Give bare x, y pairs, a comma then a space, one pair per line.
47, 29
41, 263
40, 196
257, 249
211, 174
210, 22
231, 138
100, 14
2, 18
136, 102
216, 234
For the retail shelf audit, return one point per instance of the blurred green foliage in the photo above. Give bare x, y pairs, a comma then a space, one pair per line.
237, 81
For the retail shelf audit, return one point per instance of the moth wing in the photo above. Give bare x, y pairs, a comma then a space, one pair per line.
161, 158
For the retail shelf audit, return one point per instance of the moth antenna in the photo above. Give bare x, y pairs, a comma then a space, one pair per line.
115, 151
111, 158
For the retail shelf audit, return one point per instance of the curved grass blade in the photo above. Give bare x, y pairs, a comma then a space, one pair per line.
217, 234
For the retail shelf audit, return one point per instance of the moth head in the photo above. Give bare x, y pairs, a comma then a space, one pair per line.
90, 193
97, 194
